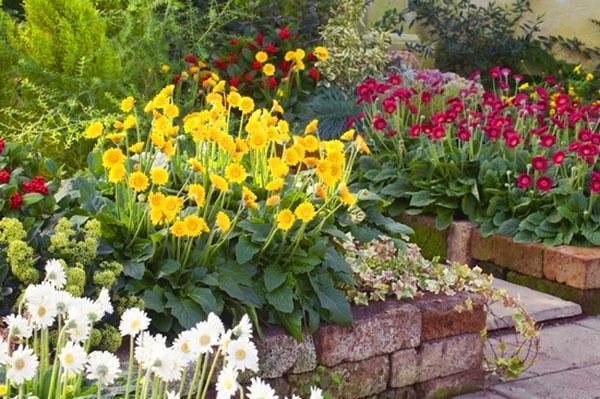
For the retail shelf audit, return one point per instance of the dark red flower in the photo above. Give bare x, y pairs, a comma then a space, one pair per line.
395, 80
260, 38
550, 80
414, 131
2, 144
586, 150
438, 132
270, 49
558, 157
4, 176
512, 140
595, 182
232, 58
15, 201
314, 74
544, 183
379, 123
524, 181
248, 77
391, 133
256, 65
272, 81
191, 58
36, 185
539, 163
495, 72
547, 140
234, 81
464, 134
284, 33
311, 56
176, 79
585, 135
425, 97
234, 42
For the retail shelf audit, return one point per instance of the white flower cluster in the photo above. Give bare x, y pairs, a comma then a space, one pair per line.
27, 353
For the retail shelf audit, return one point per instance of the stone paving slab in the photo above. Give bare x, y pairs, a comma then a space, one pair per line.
541, 306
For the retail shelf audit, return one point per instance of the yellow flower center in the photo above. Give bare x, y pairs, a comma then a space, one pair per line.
41, 311
240, 354
20, 364
204, 340
69, 359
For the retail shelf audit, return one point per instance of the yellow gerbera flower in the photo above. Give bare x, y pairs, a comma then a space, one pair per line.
223, 222
179, 229
127, 104
156, 200
346, 196
138, 181
195, 225
117, 173
137, 147
268, 69
234, 98
261, 57
196, 165
246, 105
129, 122
285, 220
321, 53
311, 127
197, 193
219, 183
348, 135
112, 157
94, 130
305, 212
273, 200
159, 176
275, 184
236, 173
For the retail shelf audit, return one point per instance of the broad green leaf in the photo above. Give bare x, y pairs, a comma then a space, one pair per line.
168, 267
282, 299
204, 297
244, 250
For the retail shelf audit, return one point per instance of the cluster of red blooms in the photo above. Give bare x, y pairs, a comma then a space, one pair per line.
549, 113
36, 185
248, 72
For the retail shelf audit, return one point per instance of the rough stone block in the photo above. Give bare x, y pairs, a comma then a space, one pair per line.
400, 393
433, 242
441, 319
436, 359
451, 386
459, 242
280, 385
358, 379
380, 328
280, 353
503, 251
574, 266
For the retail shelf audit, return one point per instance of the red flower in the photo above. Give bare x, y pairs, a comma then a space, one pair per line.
232, 58
270, 49
539, 163
248, 77
256, 65
176, 79
544, 183
311, 56
379, 123
425, 97
2, 144
234, 81
585, 134
15, 201
259, 38
512, 140
4, 176
558, 157
587, 150
414, 131
547, 140
524, 181
595, 182
234, 42
495, 72
314, 74
191, 58
36, 185
391, 133
438, 132
464, 134
395, 80
284, 33
272, 82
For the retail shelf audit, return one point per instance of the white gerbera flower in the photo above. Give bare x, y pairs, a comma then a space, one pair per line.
227, 384
42, 313
78, 328
167, 366
22, 365
55, 274
242, 355
102, 367
73, 357
4, 358
316, 393
18, 326
244, 328
258, 389
63, 299
103, 302
40, 292
216, 324
133, 322
172, 395
183, 347
149, 349
85, 308
204, 338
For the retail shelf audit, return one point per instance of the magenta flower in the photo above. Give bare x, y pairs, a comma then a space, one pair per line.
558, 157
524, 181
539, 163
544, 183
379, 123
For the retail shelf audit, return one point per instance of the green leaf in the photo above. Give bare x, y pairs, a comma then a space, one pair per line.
186, 311
443, 220
205, 298
282, 299
244, 251
421, 199
134, 269
32, 198
168, 267
509, 227
274, 276
292, 323
332, 300
153, 299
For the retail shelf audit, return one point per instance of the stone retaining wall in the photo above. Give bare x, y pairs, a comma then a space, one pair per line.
421, 348
572, 273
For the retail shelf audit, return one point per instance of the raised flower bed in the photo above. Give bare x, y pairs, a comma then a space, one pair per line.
569, 272
411, 348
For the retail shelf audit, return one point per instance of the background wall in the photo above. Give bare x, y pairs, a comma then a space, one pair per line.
569, 18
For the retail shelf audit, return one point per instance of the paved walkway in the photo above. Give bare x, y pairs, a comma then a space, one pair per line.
568, 364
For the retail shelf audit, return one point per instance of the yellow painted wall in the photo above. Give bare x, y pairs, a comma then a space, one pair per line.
569, 18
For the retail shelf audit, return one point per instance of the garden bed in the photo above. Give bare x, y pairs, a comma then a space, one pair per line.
571, 273
394, 349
